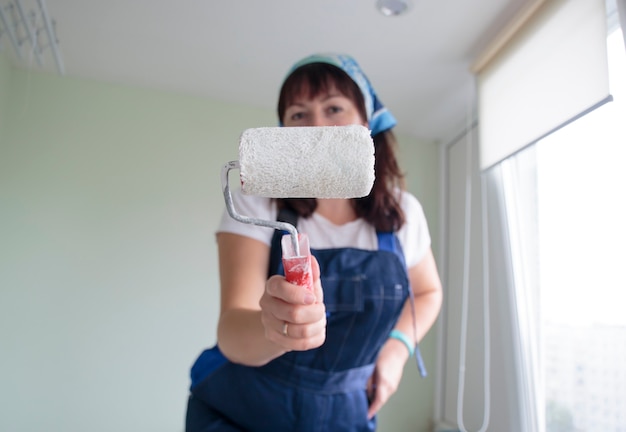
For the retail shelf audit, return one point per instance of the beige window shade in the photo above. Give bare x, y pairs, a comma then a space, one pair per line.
548, 71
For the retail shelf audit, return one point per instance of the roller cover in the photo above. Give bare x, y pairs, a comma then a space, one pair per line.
307, 162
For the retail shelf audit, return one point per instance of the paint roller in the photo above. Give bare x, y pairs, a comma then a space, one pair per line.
301, 162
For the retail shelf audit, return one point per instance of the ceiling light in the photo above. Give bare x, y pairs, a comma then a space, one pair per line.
393, 7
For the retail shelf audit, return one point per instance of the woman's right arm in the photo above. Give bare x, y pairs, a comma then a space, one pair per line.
253, 308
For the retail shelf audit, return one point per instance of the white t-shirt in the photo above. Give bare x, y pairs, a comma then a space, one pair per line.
323, 234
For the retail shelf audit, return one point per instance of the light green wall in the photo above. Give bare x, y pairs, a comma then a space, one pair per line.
412, 406
109, 196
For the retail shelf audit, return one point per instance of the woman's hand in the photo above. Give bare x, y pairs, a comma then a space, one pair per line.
387, 374
293, 316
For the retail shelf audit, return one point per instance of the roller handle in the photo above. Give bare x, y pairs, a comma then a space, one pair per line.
295, 246
228, 199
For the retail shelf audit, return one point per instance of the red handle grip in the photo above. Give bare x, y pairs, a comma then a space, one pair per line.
298, 271
297, 265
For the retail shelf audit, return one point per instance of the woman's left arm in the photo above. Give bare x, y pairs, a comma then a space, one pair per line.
426, 285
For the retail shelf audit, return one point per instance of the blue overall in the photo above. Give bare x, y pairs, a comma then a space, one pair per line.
322, 389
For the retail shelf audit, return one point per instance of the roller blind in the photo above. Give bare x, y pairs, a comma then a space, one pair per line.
551, 70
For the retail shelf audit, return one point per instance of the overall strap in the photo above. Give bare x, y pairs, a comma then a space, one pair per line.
284, 215
389, 242
386, 240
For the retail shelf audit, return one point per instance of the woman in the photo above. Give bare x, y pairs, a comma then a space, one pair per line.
292, 359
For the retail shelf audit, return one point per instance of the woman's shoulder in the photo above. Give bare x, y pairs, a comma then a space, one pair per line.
414, 234
410, 204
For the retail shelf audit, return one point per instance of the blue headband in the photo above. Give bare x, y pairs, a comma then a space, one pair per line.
378, 117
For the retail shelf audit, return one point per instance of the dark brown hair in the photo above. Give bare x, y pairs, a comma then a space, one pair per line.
381, 207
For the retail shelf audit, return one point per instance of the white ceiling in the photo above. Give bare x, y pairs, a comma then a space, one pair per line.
239, 50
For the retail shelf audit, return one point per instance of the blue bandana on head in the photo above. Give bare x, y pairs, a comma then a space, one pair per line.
378, 117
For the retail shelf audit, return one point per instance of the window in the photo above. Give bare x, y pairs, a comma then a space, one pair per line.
528, 251
581, 200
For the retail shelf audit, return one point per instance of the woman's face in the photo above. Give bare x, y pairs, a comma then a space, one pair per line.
330, 108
